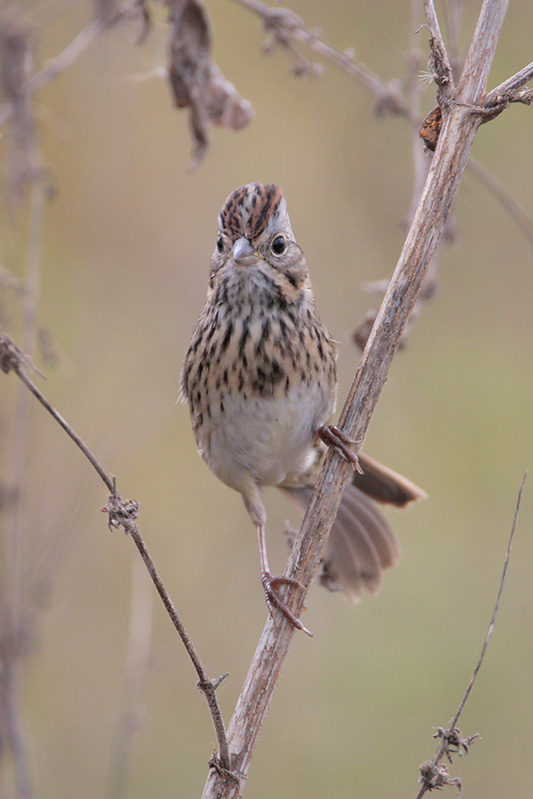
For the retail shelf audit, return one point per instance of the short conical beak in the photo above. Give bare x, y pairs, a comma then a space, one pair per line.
243, 253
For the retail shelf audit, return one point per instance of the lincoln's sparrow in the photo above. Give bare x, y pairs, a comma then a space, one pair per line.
260, 380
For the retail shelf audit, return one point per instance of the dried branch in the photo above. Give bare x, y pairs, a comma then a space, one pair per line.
75, 48
504, 197
433, 773
509, 90
458, 133
65, 59
196, 82
461, 119
123, 513
421, 166
25, 170
496, 607
285, 27
439, 63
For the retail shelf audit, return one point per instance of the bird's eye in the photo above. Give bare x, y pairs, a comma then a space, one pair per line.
278, 245
220, 244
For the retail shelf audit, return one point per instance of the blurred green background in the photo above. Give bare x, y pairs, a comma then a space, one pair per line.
125, 254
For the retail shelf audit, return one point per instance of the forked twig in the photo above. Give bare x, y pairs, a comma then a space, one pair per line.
123, 513
434, 774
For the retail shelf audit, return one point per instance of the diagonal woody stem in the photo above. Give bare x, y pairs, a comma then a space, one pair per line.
123, 513
511, 86
455, 142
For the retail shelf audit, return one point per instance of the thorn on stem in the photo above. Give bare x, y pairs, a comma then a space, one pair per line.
211, 685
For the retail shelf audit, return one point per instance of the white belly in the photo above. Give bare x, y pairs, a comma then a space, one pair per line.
269, 438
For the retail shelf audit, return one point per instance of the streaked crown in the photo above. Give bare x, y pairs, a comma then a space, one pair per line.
253, 211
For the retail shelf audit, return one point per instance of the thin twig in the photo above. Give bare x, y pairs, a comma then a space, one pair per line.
123, 513
496, 608
286, 27
502, 194
432, 774
205, 684
439, 63
508, 89
66, 427
135, 671
74, 49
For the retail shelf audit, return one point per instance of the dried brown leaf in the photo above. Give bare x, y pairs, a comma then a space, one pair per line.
430, 128
196, 82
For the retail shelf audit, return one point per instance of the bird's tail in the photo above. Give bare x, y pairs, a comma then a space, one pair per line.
362, 544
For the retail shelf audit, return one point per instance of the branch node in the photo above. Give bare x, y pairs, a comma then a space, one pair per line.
121, 512
435, 776
216, 764
454, 743
11, 357
280, 25
210, 686
491, 110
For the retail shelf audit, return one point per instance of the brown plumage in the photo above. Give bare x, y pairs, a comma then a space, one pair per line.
260, 380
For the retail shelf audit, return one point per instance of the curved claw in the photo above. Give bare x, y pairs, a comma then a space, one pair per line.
334, 437
273, 600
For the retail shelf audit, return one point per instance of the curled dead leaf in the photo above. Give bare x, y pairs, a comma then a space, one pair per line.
196, 82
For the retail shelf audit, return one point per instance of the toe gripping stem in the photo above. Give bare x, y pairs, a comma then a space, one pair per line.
334, 437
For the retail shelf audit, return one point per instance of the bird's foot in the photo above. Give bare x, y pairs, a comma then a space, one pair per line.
271, 585
334, 437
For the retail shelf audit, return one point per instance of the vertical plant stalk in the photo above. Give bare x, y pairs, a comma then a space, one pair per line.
135, 671
25, 166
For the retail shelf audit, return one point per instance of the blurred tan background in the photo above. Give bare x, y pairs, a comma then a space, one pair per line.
124, 263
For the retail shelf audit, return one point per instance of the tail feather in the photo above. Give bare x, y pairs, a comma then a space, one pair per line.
384, 485
352, 559
362, 544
